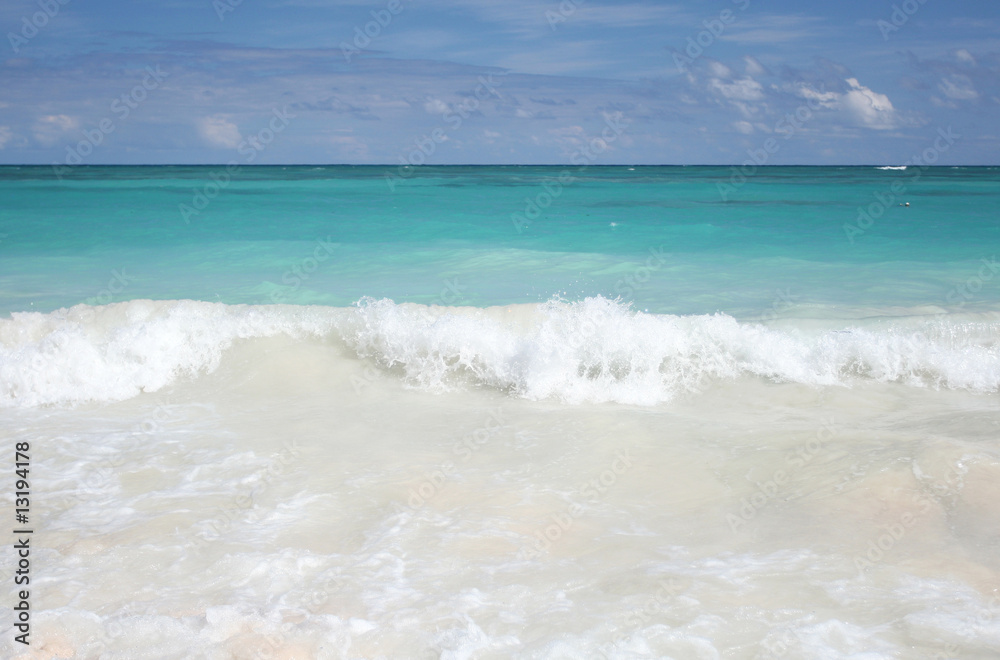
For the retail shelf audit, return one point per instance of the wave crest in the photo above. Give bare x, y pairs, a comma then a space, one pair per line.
594, 350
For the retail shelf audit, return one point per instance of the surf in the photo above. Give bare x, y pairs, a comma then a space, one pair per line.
593, 350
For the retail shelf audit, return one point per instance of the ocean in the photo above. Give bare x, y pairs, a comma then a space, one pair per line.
503, 412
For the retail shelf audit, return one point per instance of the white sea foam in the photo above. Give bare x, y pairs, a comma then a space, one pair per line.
892, 167
114, 352
594, 350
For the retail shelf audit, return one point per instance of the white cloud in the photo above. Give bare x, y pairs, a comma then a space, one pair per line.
219, 132
823, 99
436, 107
957, 86
51, 128
719, 70
869, 108
745, 89
744, 127
963, 55
5, 136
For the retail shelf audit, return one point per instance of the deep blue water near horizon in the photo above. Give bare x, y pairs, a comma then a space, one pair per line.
676, 239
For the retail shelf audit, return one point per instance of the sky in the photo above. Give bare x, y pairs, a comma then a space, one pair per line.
411, 82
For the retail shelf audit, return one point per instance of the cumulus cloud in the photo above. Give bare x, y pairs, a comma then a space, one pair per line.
219, 132
869, 108
50, 129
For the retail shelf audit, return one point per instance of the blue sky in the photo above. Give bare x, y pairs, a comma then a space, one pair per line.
498, 81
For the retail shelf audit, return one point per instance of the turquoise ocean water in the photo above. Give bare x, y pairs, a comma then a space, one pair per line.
501, 234
493, 412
